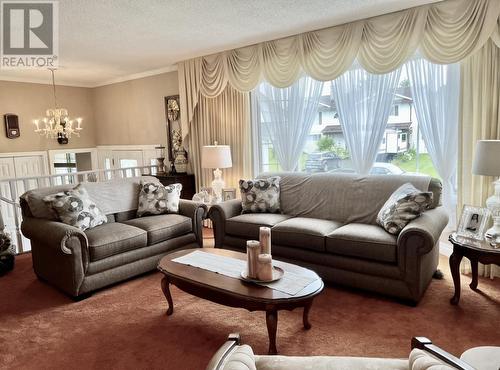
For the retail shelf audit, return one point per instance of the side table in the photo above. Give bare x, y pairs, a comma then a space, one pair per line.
476, 251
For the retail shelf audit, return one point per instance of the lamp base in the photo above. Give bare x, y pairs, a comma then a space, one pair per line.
492, 235
217, 185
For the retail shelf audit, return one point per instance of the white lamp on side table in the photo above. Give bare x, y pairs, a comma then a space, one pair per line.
487, 163
216, 156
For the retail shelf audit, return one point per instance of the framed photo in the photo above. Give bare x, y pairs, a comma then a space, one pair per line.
228, 194
473, 222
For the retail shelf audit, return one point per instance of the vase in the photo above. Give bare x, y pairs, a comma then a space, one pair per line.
181, 161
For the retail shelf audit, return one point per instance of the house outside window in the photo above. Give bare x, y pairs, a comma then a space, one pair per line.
401, 150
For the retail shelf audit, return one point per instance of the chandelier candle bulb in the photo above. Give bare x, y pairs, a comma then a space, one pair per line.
253, 251
265, 239
265, 270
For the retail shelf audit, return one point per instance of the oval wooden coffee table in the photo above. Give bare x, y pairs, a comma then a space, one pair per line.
233, 292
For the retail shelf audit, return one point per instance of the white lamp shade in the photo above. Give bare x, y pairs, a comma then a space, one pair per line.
216, 156
487, 158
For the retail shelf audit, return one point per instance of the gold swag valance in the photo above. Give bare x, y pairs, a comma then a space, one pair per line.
444, 32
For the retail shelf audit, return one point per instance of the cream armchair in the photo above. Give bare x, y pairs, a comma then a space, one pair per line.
424, 356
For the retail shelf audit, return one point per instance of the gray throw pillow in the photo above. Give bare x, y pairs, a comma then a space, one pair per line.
404, 205
74, 207
156, 199
260, 195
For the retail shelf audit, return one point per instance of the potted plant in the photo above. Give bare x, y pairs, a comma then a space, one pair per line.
6, 253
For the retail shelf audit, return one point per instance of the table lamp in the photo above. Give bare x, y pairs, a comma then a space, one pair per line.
487, 163
216, 156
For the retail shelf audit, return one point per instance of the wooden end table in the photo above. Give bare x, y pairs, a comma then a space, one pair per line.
476, 251
233, 292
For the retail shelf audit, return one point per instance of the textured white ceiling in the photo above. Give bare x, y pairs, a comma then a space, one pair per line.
104, 41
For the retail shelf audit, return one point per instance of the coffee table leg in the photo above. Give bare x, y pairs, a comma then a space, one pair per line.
272, 327
455, 259
165, 287
473, 284
305, 316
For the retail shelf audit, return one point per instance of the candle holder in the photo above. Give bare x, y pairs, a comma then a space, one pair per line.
160, 151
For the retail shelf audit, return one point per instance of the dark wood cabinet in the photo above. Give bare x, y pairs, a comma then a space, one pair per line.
187, 181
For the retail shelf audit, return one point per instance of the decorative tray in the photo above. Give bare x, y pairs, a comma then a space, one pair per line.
277, 274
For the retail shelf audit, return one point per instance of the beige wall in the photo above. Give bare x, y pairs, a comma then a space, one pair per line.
133, 112
29, 101
125, 113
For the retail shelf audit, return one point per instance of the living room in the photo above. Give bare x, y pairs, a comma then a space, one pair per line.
250, 185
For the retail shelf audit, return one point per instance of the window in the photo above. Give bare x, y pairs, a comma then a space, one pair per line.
402, 149
64, 163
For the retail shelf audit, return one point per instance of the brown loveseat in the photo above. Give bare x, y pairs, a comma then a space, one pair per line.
328, 223
79, 262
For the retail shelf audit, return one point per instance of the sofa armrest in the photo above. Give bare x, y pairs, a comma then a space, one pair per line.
219, 213
217, 361
424, 232
56, 234
197, 211
60, 252
426, 345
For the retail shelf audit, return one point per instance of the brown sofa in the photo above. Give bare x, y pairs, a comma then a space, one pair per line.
328, 223
80, 262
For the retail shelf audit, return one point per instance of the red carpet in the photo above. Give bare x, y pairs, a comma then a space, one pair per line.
125, 326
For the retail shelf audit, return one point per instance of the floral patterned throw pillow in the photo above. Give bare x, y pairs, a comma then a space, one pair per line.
260, 195
156, 199
74, 207
404, 205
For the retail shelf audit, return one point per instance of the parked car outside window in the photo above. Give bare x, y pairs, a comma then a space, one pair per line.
322, 162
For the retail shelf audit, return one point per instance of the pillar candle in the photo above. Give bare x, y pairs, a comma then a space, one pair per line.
265, 271
253, 251
265, 240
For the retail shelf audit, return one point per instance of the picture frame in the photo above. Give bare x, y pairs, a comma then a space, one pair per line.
228, 194
473, 222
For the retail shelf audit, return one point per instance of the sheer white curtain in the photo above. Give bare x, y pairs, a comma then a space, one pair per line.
364, 102
436, 92
287, 115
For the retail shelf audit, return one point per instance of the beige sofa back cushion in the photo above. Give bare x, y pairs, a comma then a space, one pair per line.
344, 198
118, 196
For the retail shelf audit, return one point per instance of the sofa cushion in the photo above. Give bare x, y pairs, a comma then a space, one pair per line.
363, 241
112, 196
114, 238
125, 215
247, 225
260, 195
484, 357
345, 198
404, 205
75, 207
303, 232
328, 363
157, 199
162, 227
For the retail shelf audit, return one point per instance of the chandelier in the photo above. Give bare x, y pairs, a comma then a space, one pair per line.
56, 123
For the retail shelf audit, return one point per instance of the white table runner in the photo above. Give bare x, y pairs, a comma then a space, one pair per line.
290, 283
